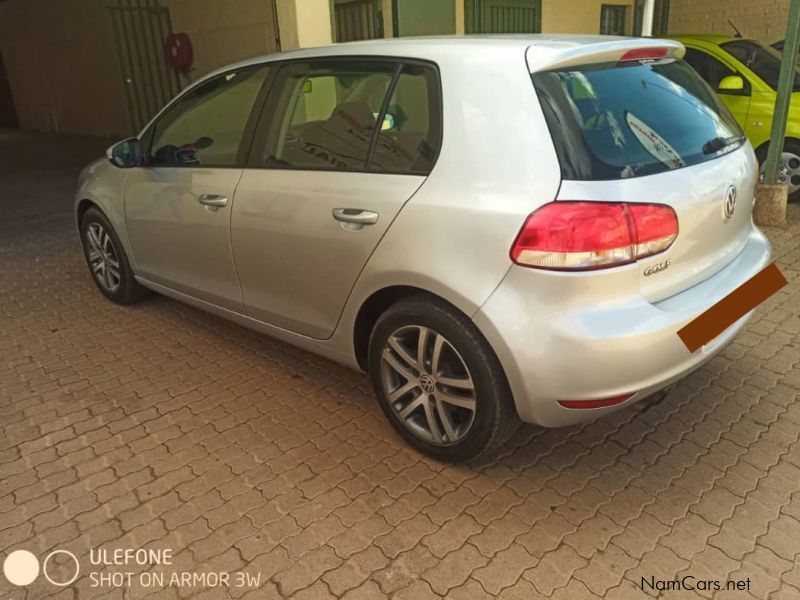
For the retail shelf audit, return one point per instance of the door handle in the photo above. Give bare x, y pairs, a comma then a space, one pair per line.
355, 216
213, 200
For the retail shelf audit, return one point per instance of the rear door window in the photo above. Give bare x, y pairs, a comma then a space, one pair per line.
353, 115
620, 120
408, 139
326, 115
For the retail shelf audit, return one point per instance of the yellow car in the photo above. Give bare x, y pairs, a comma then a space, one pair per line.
744, 73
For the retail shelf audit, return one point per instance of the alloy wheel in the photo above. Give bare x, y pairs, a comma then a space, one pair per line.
428, 385
103, 257
788, 171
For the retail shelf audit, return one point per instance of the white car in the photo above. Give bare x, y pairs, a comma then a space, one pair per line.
496, 229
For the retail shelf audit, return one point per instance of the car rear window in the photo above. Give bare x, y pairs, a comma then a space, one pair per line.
620, 120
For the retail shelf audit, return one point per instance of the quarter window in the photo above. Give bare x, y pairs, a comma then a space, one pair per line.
205, 126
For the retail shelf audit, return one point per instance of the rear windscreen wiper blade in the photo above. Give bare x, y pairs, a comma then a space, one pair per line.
718, 143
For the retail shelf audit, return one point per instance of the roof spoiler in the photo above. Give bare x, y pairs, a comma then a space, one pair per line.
543, 58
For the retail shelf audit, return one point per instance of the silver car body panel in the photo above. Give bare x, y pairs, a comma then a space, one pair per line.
708, 239
177, 241
557, 335
101, 183
601, 340
296, 263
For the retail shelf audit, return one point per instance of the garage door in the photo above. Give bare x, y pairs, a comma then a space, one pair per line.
503, 16
140, 28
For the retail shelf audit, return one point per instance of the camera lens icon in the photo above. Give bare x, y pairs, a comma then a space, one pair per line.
22, 567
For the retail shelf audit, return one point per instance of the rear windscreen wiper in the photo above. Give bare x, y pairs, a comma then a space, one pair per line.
718, 143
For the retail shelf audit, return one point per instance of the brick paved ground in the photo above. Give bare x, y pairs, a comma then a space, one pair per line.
160, 426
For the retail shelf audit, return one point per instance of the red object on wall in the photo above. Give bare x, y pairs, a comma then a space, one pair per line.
178, 52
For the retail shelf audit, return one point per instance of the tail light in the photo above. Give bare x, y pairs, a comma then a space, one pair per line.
580, 236
644, 53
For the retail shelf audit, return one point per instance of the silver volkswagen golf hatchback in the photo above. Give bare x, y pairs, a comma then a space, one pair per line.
496, 229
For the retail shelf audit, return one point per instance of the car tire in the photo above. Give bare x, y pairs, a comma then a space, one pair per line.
108, 264
467, 422
789, 147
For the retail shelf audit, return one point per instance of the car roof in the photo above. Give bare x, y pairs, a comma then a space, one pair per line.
416, 45
459, 47
422, 46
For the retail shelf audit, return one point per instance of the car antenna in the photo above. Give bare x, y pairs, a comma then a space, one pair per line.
736, 29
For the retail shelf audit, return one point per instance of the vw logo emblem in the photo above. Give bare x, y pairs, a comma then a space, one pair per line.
730, 201
427, 384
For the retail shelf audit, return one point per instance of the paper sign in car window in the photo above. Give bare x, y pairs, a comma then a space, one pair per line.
654, 143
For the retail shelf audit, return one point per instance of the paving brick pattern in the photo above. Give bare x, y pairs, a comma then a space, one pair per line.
159, 426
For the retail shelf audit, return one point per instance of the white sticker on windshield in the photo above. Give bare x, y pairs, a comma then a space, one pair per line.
654, 143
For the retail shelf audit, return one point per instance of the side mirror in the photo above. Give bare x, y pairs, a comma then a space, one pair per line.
125, 154
731, 83
388, 122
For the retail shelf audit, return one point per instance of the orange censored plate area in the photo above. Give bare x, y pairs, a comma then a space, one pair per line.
732, 308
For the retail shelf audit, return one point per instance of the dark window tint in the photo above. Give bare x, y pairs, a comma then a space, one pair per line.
205, 126
613, 18
326, 115
408, 139
764, 62
708, 67
616, 121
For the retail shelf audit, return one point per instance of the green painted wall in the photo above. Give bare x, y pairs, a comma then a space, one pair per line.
425, 17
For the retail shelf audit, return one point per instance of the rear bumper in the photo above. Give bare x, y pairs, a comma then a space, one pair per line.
573, 337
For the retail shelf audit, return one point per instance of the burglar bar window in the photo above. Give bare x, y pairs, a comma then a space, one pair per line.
612, 19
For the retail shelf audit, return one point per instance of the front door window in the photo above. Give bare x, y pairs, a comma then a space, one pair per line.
204, 127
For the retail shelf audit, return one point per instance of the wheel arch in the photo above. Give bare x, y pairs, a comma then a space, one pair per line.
379, 301
370, 311
110, 211
82, 206
761, 151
